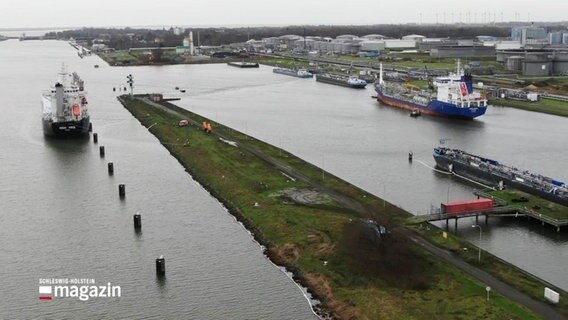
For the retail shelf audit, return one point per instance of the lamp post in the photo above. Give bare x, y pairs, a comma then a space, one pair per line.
449, 187
384, 193
323, 166
479, 244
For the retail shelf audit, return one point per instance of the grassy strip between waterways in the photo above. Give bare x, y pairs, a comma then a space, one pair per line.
555, 107
540, 205
517, 278
284, 63
323, 240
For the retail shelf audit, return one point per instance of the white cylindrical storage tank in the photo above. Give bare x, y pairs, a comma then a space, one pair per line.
346, 37
337, 47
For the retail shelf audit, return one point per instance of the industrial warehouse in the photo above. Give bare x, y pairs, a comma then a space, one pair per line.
530, 50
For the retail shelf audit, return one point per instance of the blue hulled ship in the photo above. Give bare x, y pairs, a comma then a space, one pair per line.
455, 96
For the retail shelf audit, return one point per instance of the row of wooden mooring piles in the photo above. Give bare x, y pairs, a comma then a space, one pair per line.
137, 218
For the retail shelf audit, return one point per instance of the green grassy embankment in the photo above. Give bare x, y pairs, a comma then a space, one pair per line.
324, 242
421, 84
121, 57
517, 278
167, 57
537, 204
283, 63
554, 107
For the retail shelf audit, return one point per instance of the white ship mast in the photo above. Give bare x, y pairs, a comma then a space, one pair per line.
458, 67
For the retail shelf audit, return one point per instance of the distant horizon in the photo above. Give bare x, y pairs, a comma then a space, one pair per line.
225, 13
25, 14
159, 26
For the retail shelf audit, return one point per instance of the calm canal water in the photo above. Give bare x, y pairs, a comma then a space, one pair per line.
61, 216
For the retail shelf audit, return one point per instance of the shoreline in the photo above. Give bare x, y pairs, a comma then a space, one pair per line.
546, 106
274, 252
253, 232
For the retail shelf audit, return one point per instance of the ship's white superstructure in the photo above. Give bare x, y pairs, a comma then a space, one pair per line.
65, 106
457, 89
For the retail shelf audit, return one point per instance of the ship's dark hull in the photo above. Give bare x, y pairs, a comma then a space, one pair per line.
434, 107
292, 73
244, 64
66, 129
493, 178
339, 82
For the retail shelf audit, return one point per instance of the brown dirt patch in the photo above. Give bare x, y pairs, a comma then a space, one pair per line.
324, 249
345, 311
319, 285
303, 196
287, 254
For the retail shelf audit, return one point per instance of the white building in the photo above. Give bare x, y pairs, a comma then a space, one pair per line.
374, 37
98, 46
414, 37
507, 45
346, 37
178, 31
188, 43
435, 40
373, 45
465, 42
399, 44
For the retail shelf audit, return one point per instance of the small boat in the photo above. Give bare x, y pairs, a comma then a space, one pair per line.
177, 88
182, 90
96, 66
415, 113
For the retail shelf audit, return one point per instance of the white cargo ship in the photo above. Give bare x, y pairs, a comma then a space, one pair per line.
65, 108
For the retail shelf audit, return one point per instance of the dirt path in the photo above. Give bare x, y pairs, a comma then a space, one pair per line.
540, 308
346, 202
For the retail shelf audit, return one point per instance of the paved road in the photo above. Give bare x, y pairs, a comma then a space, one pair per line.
540, 308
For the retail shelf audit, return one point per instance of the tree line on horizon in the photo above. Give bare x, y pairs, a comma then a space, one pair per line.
131, 38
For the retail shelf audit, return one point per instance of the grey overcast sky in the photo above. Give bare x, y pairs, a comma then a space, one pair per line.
91, 13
